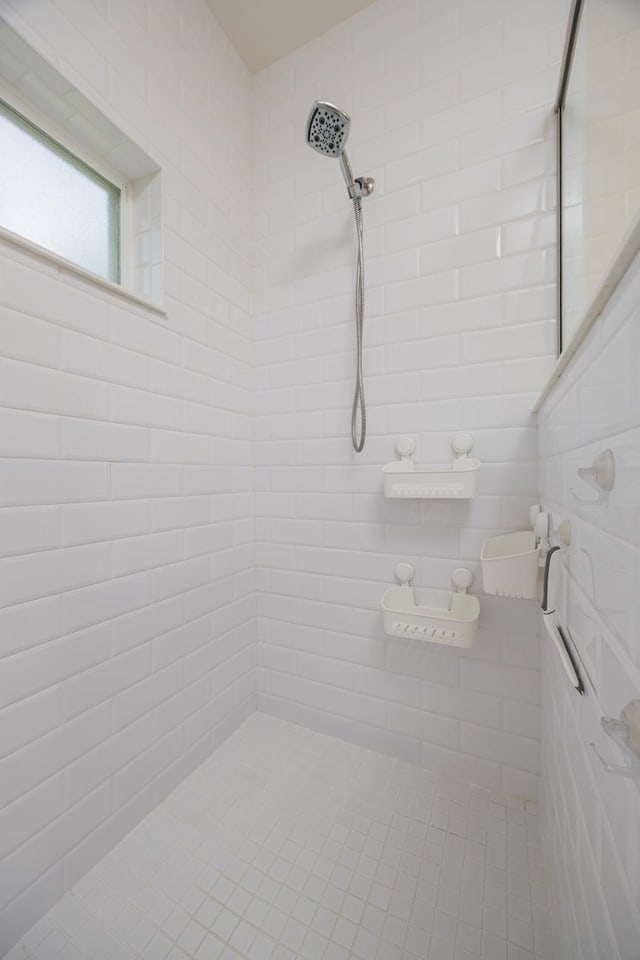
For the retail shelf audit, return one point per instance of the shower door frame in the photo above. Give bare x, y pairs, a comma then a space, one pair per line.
571, 37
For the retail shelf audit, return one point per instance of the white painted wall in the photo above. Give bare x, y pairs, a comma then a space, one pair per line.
126, 528
592, 818
451, 106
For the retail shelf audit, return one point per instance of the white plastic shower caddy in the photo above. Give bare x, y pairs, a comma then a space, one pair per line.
511, 562
457, 480
454, 624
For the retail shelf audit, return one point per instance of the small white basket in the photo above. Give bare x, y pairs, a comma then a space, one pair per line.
452, 481
454, 622
510, 565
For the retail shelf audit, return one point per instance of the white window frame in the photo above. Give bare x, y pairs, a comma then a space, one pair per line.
96, 163
33, 87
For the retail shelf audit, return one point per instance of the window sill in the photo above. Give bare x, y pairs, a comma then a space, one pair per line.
67, 266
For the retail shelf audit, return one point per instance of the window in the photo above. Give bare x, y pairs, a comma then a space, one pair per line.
54, 199
74, 188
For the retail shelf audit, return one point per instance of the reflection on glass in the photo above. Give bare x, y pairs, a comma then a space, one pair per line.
50, 197
600, 150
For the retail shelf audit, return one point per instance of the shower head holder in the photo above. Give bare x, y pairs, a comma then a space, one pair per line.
365, 185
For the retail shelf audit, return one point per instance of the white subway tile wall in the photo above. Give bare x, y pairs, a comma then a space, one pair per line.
592, 817
451, 112
128, 534
127, 622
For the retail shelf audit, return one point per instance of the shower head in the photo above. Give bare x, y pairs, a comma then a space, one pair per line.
327, 132
328, 128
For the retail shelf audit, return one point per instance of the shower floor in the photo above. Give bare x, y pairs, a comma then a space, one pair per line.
287, 843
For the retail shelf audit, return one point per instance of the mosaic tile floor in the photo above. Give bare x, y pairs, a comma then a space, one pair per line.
287, 843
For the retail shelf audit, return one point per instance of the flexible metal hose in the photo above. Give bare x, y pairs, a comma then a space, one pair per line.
359, 409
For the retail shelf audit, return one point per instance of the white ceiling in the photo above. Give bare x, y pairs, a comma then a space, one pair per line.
262, 31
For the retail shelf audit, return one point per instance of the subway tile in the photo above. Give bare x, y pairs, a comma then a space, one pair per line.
180, 577
178, 512
503, 138
31, 576
412, 232
39, 294
423, 292
509, 273
429, 727
42, 851
480, 246
431, 162
481, 741
173, 447
145, 409
530, 234
102, 361
461, 119
31, 387
109, 520
133, 554
142, 697
99, 764
492, 678
25, 482
84, 440
143, 335
28, 624
509, 343
31, 812
27, 338
461, 704
504, 206
103, 601
26, 673
147, 623
29, 530
138, 480
27, 434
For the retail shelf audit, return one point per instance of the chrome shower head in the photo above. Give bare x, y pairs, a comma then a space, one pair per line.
328, 128
327, 132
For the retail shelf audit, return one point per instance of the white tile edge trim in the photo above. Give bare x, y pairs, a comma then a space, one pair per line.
41, 253
622, 261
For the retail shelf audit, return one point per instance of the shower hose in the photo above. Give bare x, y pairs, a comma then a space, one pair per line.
359, 409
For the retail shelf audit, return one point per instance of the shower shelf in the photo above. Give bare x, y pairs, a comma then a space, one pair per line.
452, 481
511, 561
510, 565
451, 620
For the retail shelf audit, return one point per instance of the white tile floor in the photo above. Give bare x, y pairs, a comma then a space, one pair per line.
287, 843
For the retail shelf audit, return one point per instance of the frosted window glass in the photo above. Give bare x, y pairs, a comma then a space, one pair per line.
54, 199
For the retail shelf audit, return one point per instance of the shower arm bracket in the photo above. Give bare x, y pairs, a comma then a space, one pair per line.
365, 186
356, 186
